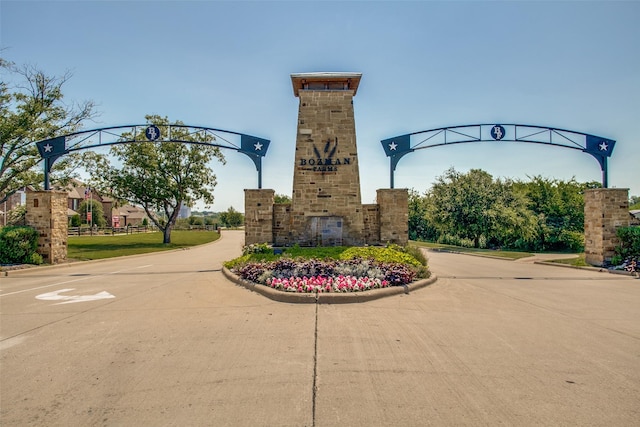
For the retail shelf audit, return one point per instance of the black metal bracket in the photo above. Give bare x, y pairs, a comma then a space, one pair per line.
598, 147
52, 149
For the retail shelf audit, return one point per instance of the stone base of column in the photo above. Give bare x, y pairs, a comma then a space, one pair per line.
258, 216
605, 209
47, 213
394, 215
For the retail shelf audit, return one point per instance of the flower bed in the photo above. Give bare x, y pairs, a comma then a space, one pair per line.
326, 284
357, 270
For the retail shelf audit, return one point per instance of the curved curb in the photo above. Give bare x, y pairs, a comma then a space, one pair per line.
482, 255
328, 298
595, 269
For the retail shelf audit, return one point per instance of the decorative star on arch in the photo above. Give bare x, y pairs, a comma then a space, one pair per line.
257, 146
48, 148
603, 146
393, 146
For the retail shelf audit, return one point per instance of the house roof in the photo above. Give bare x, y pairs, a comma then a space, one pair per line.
129, 211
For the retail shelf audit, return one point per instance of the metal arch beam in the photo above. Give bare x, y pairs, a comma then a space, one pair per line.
598, 147
52, 149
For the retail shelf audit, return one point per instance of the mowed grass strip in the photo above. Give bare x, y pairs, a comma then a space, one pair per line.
99, 247
576, 262
451, 248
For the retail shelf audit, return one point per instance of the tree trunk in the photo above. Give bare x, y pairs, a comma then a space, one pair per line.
166, 235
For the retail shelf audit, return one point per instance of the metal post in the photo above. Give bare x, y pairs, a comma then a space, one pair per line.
605, 177
391, 168
47, 168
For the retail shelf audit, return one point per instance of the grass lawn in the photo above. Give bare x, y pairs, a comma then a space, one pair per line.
576, 262
99, 247
502, 254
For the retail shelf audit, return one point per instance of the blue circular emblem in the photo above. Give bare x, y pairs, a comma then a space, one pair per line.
497, 132
152, 133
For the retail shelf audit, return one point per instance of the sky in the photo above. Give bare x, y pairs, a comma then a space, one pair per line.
425, 64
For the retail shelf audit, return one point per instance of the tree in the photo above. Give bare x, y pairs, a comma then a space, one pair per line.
281, 199
97, 213
419, 227
559, 206
475, 206
231, 218
161, 177
32, 110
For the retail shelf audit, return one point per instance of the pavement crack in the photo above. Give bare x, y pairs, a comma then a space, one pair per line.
315, 370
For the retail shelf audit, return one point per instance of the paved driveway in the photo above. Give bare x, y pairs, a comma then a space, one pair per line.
491, 342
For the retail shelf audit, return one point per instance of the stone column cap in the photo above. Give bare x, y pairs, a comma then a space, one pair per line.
300, 79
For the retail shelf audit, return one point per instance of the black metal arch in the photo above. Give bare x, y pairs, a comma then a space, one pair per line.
397, 147
52, 149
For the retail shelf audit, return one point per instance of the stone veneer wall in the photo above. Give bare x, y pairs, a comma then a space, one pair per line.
282, 235
371, 218
326, 181
394, 215
605, 209
258, 216
47, 213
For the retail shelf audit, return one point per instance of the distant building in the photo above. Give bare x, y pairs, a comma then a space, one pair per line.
185, 211
128, 215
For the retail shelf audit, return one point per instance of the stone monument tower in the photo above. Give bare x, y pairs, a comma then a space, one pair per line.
326, 206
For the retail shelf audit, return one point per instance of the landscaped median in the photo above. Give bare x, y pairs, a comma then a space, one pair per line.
329, 275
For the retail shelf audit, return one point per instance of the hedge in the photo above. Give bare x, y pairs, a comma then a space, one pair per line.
18, 245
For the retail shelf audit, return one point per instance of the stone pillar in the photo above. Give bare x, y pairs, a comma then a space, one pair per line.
605, 209
371, 216
394, 215
258, 216
47, 213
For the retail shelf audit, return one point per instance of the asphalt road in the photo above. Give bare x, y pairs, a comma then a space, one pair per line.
166, 340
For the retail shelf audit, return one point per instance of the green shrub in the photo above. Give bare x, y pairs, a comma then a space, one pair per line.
75, 221
572, 240
629, 241
257, 248
17, 215
389, 254
35, 259
17, 244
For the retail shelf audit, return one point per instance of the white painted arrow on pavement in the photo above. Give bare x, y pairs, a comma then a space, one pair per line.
70, 299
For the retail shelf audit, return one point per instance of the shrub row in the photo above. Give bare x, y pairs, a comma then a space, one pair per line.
18, 245
627, 254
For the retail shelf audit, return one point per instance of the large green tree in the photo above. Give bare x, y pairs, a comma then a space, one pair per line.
475, 205
231, 218
162, 176
419, 226
32, 109
97, 213
559, 207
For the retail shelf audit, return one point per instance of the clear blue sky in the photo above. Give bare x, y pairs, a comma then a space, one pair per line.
571, 65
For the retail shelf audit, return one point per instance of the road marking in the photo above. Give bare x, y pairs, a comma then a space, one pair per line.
71, 281
70, 299
42, 287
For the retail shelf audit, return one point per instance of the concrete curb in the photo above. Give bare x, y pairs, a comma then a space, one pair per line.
327, 298
595, 269
554, 264
472, 254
